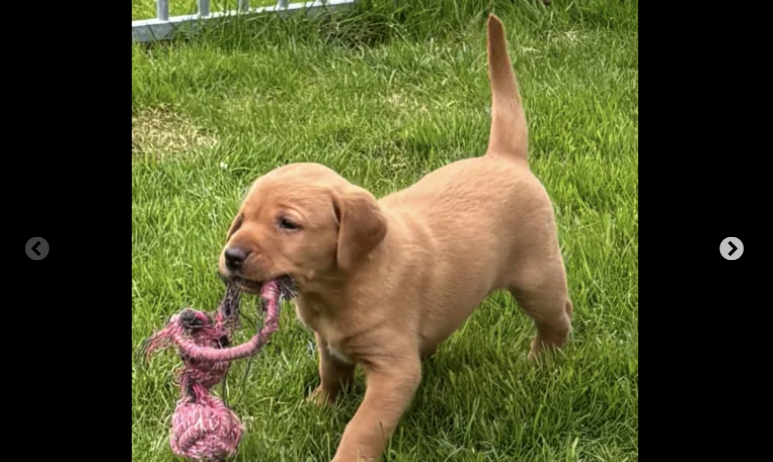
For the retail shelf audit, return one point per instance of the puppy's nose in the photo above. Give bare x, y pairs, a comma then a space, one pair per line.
234, 257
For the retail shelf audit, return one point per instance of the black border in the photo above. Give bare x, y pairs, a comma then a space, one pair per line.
701, 180
67, 180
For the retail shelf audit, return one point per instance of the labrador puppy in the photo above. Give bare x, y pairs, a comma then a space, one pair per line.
383, 282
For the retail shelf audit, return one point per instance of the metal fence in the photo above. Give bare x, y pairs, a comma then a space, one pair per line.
163, 25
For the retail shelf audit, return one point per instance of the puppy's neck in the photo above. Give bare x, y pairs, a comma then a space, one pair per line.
322, 286
337, 288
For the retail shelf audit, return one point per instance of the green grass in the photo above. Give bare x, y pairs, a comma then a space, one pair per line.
385, 95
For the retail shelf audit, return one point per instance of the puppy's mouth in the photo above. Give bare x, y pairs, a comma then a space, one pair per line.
248, 285
287, 287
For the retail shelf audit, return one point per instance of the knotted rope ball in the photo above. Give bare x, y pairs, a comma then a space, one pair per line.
203, 427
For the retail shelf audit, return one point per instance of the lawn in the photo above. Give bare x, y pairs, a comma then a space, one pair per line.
384, 95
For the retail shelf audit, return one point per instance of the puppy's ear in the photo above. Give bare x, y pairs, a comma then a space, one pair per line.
361, 226
237, 223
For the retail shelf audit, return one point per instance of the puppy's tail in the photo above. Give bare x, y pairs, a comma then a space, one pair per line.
509, 135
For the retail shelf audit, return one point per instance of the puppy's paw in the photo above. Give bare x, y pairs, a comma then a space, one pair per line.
320, 398
541, 354
356, 459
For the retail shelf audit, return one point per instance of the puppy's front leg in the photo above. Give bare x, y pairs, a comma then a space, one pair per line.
333, 375
391, 385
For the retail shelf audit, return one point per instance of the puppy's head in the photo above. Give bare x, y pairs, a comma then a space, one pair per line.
301, 221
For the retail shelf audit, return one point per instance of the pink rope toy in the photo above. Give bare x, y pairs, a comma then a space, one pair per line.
203, 427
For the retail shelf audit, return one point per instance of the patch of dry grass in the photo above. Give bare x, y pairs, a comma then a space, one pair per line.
159, 132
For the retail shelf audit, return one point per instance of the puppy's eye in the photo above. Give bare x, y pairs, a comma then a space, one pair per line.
284, 223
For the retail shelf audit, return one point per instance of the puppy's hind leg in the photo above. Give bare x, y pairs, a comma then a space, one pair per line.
541, 291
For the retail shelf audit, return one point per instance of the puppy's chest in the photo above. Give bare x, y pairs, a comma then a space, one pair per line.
311, 314
338, 354
308, 312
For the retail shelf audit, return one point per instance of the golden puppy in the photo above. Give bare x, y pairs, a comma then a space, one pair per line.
381, 283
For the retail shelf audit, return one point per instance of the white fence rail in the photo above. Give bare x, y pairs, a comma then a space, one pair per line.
162, 26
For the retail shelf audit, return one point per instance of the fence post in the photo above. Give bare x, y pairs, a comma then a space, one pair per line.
203, 8
244, 5
162, 10
282, 4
